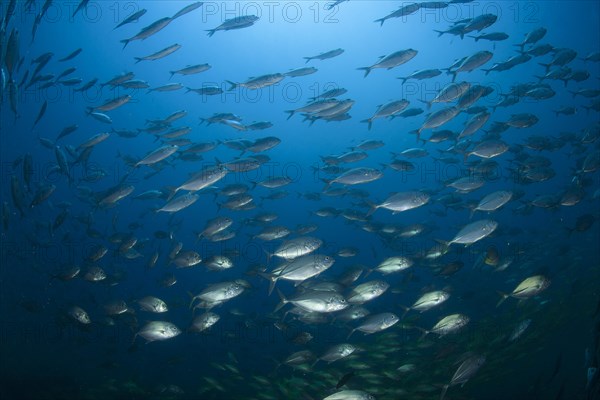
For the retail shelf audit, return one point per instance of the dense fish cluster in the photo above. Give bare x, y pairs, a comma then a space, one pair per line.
383, 285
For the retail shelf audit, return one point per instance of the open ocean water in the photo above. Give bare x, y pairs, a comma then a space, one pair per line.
347, 200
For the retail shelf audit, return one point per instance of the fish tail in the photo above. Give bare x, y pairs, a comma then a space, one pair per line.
453, 73
350, 334
211, 32
487, 71
425, 332
368, 272
125, 42
472, 212
138, 59
233, 85
291, 112
474, 37
366, 69
307, 59
372, 209
547, 66
440, 33
406, 310
380, 20
327, 183
368, 121
172, 73
283, 301
444, 390
504, 297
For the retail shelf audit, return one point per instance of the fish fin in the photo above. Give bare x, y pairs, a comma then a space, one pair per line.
403, 79
210, 32
327, 183
350, 334
368, 121
440, 33
272, 280
380, 20
504, 297
307, 59
406, 310
291, 112
547, 66
444, 390
233, 85
366, 69
373, 208
425, 332
125, 42
283, 301
368, 272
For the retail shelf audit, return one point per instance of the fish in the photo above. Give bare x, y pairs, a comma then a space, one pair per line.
344, 379
191, 69
240, 22
350, 395
204, 321
400, 202
40, 114
187, 9
519, 330
473, 232
158, 330
111, 104
392, 60
79, 315
428, 301
157, 155
315, 301
472, 62
152, 304
325, 55
529, 287
159, 54
179, 203
354, 177
376, 323
81, 6
132, 18
403, 11
467, 369
448, 325
387, 110
258, 82
148, 30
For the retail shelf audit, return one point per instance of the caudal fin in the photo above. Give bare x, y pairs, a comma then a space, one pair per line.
211, 32
233, 85
504, 297
272, 280
366, 69
368, 121
444, 390
283, 301
372, 209
380, 20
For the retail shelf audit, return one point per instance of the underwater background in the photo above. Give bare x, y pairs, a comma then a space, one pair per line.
87, 232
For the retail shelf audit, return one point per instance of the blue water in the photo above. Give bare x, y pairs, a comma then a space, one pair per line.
46, 354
